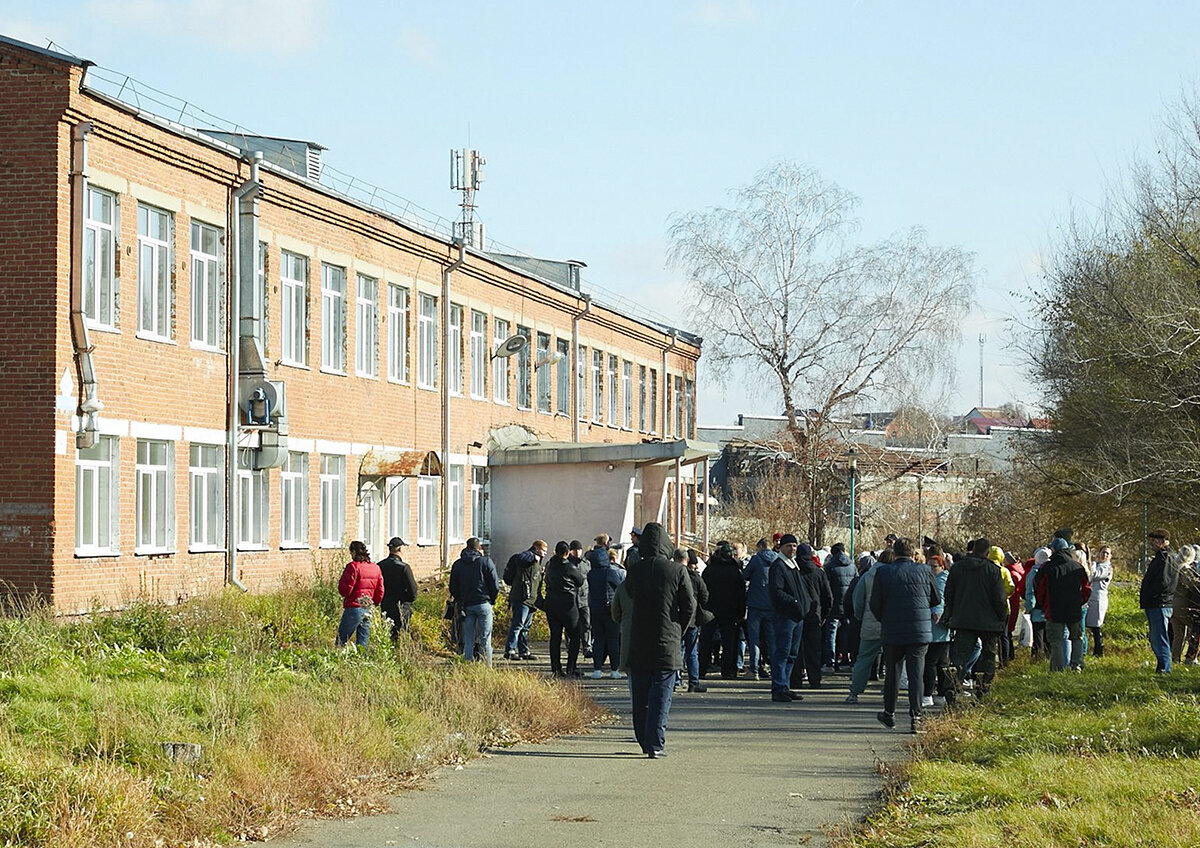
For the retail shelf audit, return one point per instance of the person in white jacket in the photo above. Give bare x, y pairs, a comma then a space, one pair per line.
1102, 575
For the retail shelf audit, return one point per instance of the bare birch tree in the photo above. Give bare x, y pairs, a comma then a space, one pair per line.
784, 296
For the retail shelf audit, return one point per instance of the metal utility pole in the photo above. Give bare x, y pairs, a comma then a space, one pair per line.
982, 340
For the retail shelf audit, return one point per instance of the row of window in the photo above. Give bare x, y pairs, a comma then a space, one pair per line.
97, 495
608, 375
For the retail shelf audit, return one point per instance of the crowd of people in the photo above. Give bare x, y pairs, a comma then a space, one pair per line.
924, 619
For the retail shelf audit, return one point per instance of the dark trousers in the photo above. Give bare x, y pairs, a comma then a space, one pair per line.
937, 670
1097, 642
962, 647
558, 625
691, 655
913, 657
722, 632
1039, 640
809, 660
606, 639
650, 691
585, 627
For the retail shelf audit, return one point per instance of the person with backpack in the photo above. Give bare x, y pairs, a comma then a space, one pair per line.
524, 574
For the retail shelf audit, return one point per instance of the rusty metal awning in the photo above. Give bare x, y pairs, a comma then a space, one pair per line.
377, 464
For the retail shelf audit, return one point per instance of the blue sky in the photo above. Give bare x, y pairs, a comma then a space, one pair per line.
989, 125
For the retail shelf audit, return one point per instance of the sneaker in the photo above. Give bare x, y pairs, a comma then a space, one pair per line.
886, 719
529, 657
927, 701
851, 699
657, 755
596, 675
794, 695
938, 701
508, 655
618, 675
780, 698
918, 725
696, 687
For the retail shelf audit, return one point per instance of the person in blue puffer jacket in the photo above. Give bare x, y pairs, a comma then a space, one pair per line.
937, 659
758, 609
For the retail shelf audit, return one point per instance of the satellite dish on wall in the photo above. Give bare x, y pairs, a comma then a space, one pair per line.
511, 346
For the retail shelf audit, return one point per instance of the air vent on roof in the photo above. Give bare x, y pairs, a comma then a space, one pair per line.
314, 163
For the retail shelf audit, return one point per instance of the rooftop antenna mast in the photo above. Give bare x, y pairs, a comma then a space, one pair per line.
982, 341
466, 175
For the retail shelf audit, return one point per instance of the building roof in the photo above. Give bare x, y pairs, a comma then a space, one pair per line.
687, 451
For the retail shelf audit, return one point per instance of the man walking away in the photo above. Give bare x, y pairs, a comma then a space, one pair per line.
1063, 590
474, 587
976, 609
399, 587
791, 602
1157, 594
662, 602
902, 598
524, 574
727, 603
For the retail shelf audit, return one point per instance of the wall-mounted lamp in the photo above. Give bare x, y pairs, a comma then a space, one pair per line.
611, 467
550, 359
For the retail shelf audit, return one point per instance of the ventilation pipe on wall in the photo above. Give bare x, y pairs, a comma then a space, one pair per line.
89, 403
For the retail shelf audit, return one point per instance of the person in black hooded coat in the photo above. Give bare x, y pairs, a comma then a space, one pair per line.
727, 603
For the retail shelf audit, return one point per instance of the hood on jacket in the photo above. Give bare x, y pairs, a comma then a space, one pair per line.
837, 558
470, 554
655, 542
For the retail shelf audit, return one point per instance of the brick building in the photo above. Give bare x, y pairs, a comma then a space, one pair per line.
165, 296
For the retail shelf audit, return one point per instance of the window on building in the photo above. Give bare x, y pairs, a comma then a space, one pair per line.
581, 370
99, 259
427, 510
614, 394
427, 346
333, 500
543, 373
293, 500
652, 400
366, 327
479, 502
500, 363
627, 395
597, 386
397, 333
678, 406
689, 408
155, 490
368, 515
96, 513
254, 504
264, 327
333, 318
293, 279
563, 377
397, 507
455, 476
455, 354
207, 291
524, 399
206, 474
154, 272
479, 355
642, 399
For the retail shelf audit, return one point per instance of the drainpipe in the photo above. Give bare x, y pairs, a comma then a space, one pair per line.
578, 405
247, 191
667, 384
89, 404
446, 272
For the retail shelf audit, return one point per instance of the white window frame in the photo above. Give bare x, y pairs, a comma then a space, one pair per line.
253, 505
333, 500
206, 503
155, 271
427, 341
524, 387
366, 328
614, 391
370, 515
293, 501
597, 386
652, 396
99, 260
397, 333
678, 406
154, 495
479, 502
542, 381
293, 281
581, 372
500, 363
397, 507
207, 287
627, 395
333, 319
642, 399
689, 407
455, 480
427, 510
97, 479
479, 355
455, 354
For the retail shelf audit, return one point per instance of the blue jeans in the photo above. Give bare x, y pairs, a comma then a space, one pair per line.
758, 632
477, 627
691, 654
518, 631
785, 647
651, 691
356, 622
606, 639
1158, 619
829, 655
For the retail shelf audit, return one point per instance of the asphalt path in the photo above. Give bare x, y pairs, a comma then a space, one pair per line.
741, 771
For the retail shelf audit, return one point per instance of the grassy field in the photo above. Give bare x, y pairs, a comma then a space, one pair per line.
1110, 757
289, 726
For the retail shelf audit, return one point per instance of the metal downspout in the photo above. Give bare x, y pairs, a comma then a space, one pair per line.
446, 272
89, 404
249, 188
578, 405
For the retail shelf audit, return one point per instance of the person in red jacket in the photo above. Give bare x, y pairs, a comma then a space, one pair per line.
361, 587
